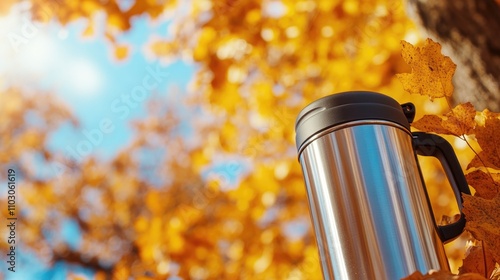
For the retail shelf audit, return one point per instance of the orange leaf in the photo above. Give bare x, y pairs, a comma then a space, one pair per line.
118, 21
431, 123
443, 275
488, 137
483, 218
431, 73
480, 160
486, 185
474, 262
458, 122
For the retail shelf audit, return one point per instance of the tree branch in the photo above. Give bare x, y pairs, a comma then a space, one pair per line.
74, 257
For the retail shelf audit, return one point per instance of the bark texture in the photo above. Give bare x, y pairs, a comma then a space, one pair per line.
469, 31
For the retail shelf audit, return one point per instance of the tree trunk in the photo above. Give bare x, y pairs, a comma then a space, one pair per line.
469, 32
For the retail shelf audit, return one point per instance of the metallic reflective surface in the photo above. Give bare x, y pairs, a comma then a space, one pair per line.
369, 208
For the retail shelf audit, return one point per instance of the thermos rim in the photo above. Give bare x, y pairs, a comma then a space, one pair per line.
346, 125
345, 107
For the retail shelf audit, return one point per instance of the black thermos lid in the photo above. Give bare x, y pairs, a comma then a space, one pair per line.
345, 107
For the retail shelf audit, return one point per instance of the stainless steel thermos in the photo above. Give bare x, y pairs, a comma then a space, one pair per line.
369, 206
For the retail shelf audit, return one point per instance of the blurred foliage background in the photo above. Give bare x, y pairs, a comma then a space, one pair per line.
209, 187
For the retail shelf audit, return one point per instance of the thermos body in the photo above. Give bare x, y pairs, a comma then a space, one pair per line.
369, 206
365, 198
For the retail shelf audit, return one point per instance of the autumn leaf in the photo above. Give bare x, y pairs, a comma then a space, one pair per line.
480, 160
488, 138
443, 275
89, 30
121, 52
483, 218
487, 185
432, 72
477, 261
117, 21
484, 115
431, 123
459, 121
496, 274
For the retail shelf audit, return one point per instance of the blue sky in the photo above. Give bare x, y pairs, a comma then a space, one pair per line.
84, 74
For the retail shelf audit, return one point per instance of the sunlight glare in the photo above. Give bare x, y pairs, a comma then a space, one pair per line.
84, 77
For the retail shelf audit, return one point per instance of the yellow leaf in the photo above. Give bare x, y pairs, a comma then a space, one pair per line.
154, 202
263, 262
89, 30
488, 137
205, 40
225, 96
141, 224
236, 250
432, 72
175, 243
253, 16
14, 106
228, 136
121, 52
118, 22
89, 7
458, 122
163, 48
199, 159
483, 218
431, 123
32, 139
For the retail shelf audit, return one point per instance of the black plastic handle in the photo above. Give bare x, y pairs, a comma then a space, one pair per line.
426, 144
